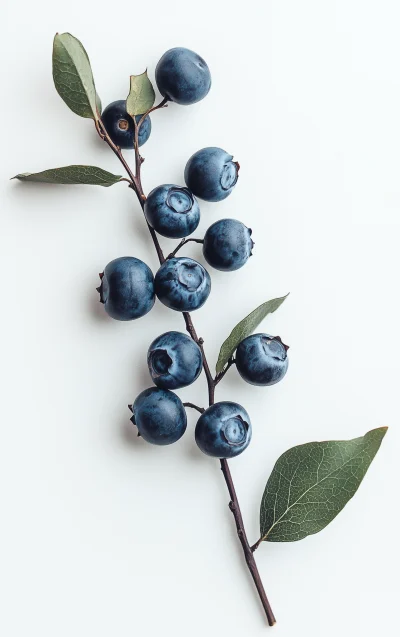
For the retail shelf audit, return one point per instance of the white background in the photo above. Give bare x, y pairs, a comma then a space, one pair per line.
102, 534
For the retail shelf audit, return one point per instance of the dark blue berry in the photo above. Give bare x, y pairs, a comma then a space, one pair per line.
182, 284
172, 211
159, 416
174, 360
223, 430
183, 76
120, 127
127, 288
227, 245
262, 359
211, 174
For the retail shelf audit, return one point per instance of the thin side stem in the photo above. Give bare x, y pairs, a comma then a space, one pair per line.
181, 244
256, 545
220, 376
201, 410
136, 185
162, 104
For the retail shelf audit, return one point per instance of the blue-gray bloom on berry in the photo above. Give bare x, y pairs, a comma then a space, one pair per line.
159, 416
174, 360
172, 211
223, 430
183, 76
211, 174
262, 359
120, 127
182, 284
127, 288
227, 245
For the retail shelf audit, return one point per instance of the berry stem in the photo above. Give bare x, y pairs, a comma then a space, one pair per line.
162, 104
136, 185
181, 244
220, 376
201, 410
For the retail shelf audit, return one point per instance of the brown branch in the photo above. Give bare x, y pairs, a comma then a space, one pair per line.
248, 553
136, 185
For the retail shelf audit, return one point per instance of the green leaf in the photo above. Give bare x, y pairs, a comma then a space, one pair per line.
90, 175
73, 76
310, 484
244, 329
141, 95
98, 104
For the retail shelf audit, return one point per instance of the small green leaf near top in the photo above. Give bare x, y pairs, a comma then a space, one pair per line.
310, 484
73, 76
90, 175
244, 329
141, 95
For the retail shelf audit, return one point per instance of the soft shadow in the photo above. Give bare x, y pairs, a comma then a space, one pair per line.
143, 378
129, 432
96, 309
191, 449
29, 189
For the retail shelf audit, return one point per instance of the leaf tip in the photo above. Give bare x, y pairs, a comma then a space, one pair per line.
381, 430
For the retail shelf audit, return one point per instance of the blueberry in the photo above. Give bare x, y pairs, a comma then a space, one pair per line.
183, 76
211, 174
182, 284
172, 211
262, 359
127, 288
223, 430
159, 416
174, 360
120, 127
227, 245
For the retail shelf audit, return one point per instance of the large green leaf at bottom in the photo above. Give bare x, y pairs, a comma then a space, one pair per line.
90, 175
310, 484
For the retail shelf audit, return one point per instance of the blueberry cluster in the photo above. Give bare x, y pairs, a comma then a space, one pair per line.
128, 288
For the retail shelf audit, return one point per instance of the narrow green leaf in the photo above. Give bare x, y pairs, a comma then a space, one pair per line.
244, 329
73, 76
90, 175
310, 484
98, 104
141, 95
